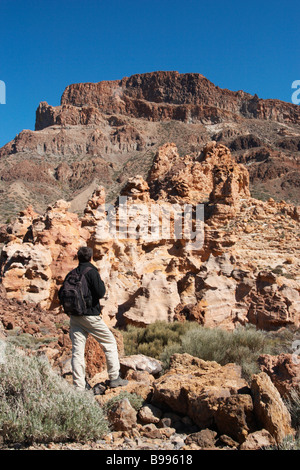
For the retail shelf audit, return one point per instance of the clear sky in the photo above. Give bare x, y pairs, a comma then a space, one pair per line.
46, 45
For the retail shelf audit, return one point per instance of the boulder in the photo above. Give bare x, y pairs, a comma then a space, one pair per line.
149, 414
152, 432
283, 370
234, 416
216, 397
197, 388
269, 408
140, 362
258, 440
204, 439
122, 416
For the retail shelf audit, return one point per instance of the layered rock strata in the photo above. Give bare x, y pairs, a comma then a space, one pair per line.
105, 133
237, 264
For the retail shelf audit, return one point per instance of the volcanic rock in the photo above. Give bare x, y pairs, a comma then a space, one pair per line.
269, 408
284, 371
236, 268
258, 440
216, 397
140, 362
104, 133
150, 414
194, 387
122, 415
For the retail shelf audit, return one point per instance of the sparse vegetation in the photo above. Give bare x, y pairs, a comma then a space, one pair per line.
293, 405
135, 400
241, 346
153, 339
288, 443
28, 341
37, 405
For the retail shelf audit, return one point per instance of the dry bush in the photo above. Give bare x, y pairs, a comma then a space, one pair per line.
37, 405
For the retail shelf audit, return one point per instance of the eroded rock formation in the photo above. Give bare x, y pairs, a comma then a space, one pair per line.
238, 265
105, 133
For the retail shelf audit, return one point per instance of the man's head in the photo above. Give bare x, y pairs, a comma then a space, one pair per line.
84, 254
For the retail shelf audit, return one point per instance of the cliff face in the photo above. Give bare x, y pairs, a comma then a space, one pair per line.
106, 132
170, 95
239, 265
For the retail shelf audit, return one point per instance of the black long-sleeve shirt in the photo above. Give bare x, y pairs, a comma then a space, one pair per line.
96, 286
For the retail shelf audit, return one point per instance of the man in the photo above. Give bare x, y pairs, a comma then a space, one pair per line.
92, 323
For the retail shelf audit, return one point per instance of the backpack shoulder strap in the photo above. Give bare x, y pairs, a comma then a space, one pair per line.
70, 273
86, 270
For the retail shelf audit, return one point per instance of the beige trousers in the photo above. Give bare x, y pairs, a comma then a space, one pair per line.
80, 328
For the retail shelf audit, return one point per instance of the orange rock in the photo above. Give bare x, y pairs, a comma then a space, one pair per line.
270, 411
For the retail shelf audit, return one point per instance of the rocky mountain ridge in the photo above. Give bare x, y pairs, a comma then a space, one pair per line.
106, 132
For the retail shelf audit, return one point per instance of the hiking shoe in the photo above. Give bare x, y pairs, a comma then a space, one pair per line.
87, 385
99, 389
119, 382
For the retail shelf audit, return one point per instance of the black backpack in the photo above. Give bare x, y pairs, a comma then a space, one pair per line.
74, 295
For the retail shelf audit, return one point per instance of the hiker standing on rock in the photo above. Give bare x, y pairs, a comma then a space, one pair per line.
79, 295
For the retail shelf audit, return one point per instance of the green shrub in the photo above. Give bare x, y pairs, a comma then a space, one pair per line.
135, 400
152, 340
241, 346
26, 340
37, 405
288, 443
293, 405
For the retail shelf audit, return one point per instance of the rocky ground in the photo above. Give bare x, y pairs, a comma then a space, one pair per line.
196, 405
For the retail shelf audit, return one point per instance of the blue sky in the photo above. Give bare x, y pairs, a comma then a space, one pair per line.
47, 45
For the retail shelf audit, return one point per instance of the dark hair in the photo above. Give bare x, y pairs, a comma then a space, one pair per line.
84, 254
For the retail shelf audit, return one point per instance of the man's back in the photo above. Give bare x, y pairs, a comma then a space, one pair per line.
95, 284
